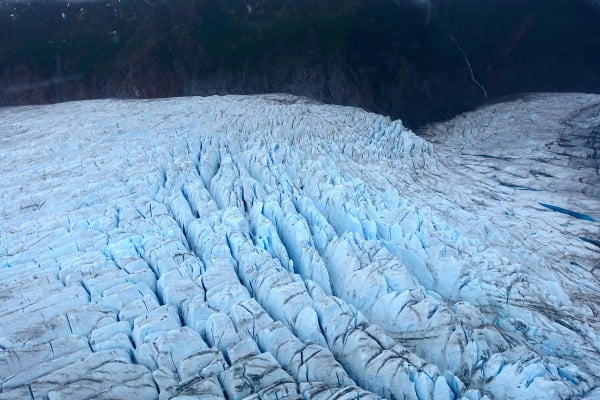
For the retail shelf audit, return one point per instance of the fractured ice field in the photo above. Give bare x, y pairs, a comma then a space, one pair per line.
271, 247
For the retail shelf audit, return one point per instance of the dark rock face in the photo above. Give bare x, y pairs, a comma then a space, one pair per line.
416, 60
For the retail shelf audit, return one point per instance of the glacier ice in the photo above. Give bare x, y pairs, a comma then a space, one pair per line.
271, 247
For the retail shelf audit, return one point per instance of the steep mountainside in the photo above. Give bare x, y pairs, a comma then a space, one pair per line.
416, 60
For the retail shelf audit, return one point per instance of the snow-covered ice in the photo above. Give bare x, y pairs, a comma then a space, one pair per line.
271, 247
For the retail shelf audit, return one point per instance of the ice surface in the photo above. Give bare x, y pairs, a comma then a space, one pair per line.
269, 247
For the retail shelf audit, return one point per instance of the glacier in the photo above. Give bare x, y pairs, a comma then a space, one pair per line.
273, 247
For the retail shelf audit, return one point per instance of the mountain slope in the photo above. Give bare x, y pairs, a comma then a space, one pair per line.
418, 60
